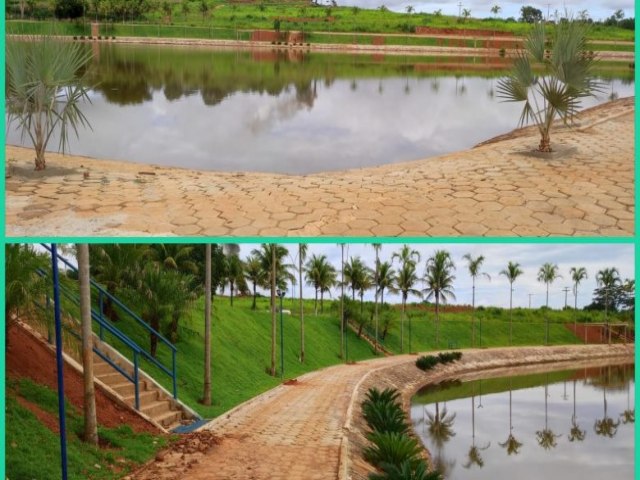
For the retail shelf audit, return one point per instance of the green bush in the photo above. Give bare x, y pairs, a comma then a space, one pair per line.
383, 411
405, 472
392, 448
427, 362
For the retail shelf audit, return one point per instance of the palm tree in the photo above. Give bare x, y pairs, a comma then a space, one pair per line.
439, 280
577, 275
277, 274
376, 282
23, 285
180, 300
511, 443
474, 457
44, 91
576, 433
116, 266
512, 272
355, 272
405, 280
605, 426
546, 438
206, 397
322, 276
155, 290
440, 426
386, 279
90, 418
558, 77
235, 273
547, 274
302, 254
474, 265
173, 256
607, 278
254, 273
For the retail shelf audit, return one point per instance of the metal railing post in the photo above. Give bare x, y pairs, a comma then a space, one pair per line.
136, 382
101, 306
175, 382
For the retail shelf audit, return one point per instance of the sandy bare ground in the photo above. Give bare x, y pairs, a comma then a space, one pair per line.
501, 188
313, 429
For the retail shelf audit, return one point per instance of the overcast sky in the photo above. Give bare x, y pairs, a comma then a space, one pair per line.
481, 9
496, 291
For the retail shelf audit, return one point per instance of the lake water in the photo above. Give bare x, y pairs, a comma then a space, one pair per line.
289, 111
573, 425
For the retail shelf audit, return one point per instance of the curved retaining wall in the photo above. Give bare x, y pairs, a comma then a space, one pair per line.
407, 379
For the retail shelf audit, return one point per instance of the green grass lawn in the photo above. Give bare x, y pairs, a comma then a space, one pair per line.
33, 451
293, 16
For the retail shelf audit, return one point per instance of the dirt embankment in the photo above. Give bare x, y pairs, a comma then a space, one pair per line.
407, 378
26, 357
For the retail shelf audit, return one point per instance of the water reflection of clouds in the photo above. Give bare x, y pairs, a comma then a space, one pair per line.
594, 458
339, 128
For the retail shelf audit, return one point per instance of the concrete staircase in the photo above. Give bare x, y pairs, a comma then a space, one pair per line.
156, 404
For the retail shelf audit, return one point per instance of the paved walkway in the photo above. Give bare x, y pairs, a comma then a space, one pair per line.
314, 429
498, 189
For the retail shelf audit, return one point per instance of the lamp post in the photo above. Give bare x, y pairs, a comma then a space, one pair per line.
281, 294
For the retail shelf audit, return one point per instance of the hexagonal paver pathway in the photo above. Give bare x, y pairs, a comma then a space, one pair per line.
500, 188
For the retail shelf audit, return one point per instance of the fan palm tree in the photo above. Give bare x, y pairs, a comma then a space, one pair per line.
512, 272
547, 274
254, 273
45, 88
566, 77
577, 275
474, 265
405, 281
439, 280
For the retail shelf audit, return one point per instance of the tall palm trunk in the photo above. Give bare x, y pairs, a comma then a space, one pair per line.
510, 312
546, 320
315, 303
301, 304
231, 286
404, 306
473, 312
273, 310
437, 318
206, 397
321, 300
253, 305
90, 420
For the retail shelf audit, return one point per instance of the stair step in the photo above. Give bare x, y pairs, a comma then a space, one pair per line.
156, 408
168, 418
145, 398
112, 378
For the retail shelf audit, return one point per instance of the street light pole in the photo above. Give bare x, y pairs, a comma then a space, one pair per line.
281, 294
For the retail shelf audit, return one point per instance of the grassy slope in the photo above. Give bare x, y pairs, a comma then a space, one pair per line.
33, 451
241, 351
343, 19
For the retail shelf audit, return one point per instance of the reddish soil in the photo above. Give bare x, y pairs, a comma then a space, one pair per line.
596, 334
26, 357
46, 418
461, 32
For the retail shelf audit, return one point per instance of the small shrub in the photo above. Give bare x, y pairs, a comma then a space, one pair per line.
392, 448
385, 417
405, 471
113, 38
502, 52
75, 37
427, 362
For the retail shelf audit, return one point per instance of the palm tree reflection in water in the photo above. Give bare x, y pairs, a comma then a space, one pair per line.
511, 444
546, 438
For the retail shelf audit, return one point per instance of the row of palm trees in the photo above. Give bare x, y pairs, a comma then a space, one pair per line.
399, 275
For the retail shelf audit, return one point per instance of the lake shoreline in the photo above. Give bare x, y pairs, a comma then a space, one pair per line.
330, 47
497, 189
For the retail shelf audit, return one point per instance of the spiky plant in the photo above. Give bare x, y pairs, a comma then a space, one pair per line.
392, 448
551, 76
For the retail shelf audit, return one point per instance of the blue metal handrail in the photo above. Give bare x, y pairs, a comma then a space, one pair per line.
98, 317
